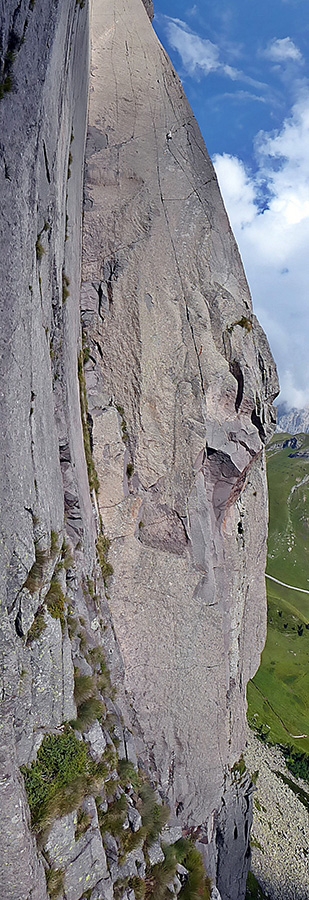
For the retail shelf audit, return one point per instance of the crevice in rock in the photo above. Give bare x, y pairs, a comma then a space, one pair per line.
236, 371
255, 419
46, 162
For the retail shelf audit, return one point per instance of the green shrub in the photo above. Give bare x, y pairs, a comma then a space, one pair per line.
39, 249
103, 545
198, 886
97, 657
6, 86
55, 601
54, 542
37, 627
56, 782
160, 876
65, 287
94, 483
154, 816
88, 712
238, 769
83, 822
35, 577
114, 818
55, 882
128, 774
297, 762
84, 687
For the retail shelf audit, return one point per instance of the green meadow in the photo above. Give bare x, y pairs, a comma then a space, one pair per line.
278, 696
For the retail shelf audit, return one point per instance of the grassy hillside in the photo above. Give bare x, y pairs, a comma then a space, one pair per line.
278, 696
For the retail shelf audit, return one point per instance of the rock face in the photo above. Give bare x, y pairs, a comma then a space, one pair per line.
180, 382
293, 421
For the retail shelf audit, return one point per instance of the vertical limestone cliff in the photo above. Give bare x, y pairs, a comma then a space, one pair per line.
180, 383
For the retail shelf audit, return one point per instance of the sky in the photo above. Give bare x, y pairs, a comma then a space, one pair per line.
245, 68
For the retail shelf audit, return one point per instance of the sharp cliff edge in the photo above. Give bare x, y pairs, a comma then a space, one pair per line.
136, 399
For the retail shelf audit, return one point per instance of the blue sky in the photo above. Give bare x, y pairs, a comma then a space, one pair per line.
245, 68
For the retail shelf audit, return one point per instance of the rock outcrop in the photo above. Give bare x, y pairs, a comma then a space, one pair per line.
180, 383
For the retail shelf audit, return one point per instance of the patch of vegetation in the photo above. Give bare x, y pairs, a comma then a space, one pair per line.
92, 473
54, 542
113, 819
239, 768
278, 697
125, 434
88, 712
83, 822
128, 774
37, 627
67, 555
55, 882
297, 762
84, 687
98, 660
300, 793
254, 891
65, 287
39, 249
103, 545
244, 322
55, 601
198, 886
154, 816
35, 578
6, 86
57, 781
130, 470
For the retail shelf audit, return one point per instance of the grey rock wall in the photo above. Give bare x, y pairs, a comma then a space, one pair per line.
43, 112
180, 382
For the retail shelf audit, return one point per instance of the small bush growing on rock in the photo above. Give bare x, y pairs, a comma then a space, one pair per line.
83, 822
92, 473
6, 86
39, 249
37, 627
55, 882
84, 687
154, 816
35, 578
65, 287
57, 781
113, 819
103, 545
55, 601
198, 886
128, 774
238, 769
88, 712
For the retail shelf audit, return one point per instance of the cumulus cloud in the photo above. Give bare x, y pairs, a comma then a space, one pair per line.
269, 212
283, 50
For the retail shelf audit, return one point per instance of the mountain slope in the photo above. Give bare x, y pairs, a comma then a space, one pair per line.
279, 693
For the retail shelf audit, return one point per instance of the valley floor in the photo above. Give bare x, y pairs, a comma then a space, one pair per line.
280, 833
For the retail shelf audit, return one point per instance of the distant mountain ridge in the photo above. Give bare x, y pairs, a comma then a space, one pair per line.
292, 421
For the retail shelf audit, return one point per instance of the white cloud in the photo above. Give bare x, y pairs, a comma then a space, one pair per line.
283, 50
197, 54
200, 56
269, 212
